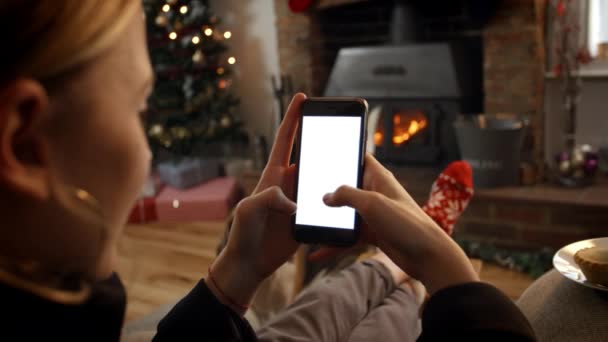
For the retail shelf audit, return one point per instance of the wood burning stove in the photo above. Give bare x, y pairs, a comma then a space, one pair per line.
419, 90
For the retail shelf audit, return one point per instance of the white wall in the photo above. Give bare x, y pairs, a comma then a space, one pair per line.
254, 44
598, 26
592, 120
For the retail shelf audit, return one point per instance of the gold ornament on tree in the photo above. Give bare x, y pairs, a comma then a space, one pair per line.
161, 21
180, 133
156, 131
226, 122
198, 57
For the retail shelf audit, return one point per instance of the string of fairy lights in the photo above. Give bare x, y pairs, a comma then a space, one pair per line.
193, 102
195, 39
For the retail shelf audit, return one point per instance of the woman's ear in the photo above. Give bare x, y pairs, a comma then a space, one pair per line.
24, 168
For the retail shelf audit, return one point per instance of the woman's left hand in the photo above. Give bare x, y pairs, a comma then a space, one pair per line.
260, 239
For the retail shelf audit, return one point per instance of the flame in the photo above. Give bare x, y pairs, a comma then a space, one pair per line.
414, 127
403, 133
378, 137
405, 126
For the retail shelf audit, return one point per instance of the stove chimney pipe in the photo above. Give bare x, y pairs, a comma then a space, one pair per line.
403, 26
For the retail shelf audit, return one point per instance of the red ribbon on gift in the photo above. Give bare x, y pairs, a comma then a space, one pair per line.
144, 211
300, 5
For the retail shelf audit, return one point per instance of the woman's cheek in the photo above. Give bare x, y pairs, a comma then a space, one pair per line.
136, 160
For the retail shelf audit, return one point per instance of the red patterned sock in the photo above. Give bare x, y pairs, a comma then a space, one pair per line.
450, 195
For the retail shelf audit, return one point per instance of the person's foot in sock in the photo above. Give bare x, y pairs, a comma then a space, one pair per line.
450, 194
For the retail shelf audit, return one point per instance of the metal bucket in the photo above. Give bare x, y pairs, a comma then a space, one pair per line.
492, 145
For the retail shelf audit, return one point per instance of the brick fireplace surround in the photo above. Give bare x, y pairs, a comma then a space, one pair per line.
513, 53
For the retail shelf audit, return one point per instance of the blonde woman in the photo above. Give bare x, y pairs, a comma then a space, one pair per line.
74, 78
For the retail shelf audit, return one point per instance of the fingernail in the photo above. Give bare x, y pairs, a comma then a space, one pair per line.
295, 208
327, 197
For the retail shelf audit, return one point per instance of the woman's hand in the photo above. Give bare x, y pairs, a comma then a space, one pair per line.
396, 224
260, 239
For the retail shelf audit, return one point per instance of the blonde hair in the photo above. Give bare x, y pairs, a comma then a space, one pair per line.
52, 37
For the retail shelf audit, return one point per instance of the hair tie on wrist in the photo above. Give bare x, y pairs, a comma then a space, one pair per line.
225, 297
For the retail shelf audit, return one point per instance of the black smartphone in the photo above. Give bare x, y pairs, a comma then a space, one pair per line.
329, 153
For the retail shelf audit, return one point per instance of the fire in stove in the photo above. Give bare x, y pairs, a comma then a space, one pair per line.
405, 126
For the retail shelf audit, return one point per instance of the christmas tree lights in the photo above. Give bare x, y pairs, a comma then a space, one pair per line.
192, 106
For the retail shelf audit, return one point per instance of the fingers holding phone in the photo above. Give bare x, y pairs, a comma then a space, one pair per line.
403, 230
260, 239
278, 171
254, 219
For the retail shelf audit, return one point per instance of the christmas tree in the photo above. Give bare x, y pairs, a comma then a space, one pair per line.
191, 108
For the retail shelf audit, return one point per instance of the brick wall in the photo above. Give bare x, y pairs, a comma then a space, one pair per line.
307, 53
295, 33
514, 66
530, 224
511, 65
513, 53
522, 217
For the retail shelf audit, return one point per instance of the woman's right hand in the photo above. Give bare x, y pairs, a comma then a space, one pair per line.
396, 224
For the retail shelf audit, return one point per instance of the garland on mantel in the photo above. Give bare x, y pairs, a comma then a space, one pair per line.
533, 263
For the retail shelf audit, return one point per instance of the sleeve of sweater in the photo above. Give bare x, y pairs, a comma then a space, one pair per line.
199, 316
473, 312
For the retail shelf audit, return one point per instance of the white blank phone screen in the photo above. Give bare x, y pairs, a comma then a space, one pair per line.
329, 158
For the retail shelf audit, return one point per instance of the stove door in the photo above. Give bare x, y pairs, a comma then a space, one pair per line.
408, 133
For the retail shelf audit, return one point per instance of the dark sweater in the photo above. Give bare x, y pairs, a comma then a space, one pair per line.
467, 312
26, 317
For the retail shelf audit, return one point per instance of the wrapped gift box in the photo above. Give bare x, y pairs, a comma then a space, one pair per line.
188, 172
209, 201
144, 211
152, 186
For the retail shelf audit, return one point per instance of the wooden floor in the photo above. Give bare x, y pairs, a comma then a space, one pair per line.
159, 263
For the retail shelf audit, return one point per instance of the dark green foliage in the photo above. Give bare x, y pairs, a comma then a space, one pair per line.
534, 263
192, 105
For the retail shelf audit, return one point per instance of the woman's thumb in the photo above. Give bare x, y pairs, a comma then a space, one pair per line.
345, 195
